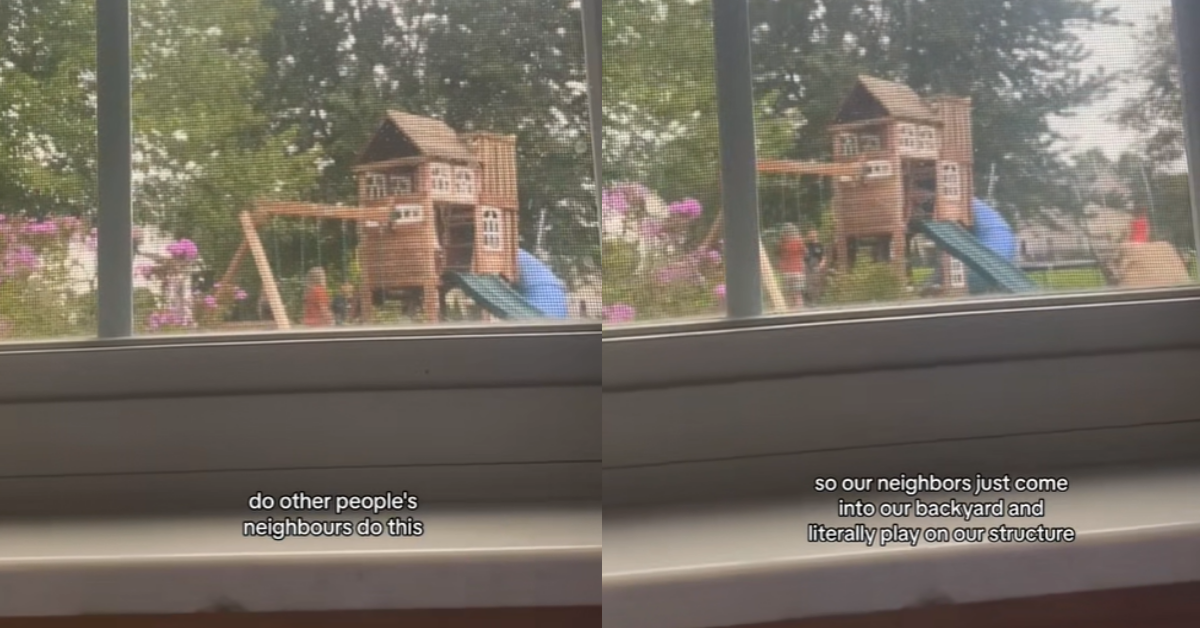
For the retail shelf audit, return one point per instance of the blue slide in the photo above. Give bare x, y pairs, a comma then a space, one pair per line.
540, 287
995, 233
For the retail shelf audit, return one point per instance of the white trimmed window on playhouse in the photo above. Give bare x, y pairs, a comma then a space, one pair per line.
401, 184
927, 139
877, 170
847, 145
958, 274
407, 214
908, 137
870, 142
493, 229
464, 181
376, 186
442, 178
951, 183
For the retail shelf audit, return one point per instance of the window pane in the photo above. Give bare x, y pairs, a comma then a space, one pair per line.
915, 155
47, 169
318, 163
662, 195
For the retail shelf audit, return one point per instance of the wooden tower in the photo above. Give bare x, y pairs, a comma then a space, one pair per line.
896, 141
451, 202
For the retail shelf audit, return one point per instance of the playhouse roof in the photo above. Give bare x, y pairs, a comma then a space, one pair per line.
897, 99
432, 137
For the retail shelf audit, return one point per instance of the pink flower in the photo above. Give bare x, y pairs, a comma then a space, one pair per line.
633, 192
145, 271
21, 260
210, 302
239, 295
183, 250
651, 229
41, 228
614, 202
719, 292
620, 313
688, 208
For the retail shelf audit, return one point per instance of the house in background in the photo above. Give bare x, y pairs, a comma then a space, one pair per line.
1057, 236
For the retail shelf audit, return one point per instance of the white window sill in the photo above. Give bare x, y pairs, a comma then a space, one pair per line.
533, 556
747, 563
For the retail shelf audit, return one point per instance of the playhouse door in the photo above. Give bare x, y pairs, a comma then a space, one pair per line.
456, 233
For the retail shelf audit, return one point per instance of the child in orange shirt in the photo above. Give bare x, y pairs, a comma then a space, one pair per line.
317, 312
791, 264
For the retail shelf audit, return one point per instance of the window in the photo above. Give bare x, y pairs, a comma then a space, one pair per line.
441, 177
245, 192
464, 181
848, 145
953, 130
401, 184
927, 139
493, 230
878, 367
407, 214
870, 142
878, 170
214, 166
908, 137
958, 274
49, 183
377, 187
951, 184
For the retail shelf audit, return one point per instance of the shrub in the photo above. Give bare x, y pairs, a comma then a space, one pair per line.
869, 282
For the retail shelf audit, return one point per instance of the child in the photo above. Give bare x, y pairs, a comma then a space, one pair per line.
316, 300
343, 305
814, 266
791, 264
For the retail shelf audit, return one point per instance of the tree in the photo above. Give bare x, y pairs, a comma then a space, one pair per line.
203, 150
1156, 112
47, 102
513, 67
1017, 60
204, 147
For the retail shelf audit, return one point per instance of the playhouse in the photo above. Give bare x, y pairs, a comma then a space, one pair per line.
437, 210
888, 142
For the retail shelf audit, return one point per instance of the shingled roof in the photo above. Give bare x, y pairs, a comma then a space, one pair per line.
899, 100
432, 137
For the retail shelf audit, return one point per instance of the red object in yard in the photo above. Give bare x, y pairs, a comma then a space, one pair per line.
1139, 230
791, 255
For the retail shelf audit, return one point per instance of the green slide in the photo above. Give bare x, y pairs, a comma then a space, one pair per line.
959, 242
493, 294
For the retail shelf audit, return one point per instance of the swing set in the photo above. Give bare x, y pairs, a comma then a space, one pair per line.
268, 214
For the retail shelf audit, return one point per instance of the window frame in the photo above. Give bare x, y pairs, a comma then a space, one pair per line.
538, 360
656, 362
491, 219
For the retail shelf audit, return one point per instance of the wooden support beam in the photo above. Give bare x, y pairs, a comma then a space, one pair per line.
324, 212
264, 271
231, 273
774, 293
813, 168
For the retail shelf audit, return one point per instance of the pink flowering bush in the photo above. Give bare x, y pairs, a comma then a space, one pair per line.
48, 282
652, 266
40, 292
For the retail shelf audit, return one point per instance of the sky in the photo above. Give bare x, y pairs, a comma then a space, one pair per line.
1114, 48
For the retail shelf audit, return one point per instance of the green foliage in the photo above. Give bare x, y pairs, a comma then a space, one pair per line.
867, 282
626, 283
508, 67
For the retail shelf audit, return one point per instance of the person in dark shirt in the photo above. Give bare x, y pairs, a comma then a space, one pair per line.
814, 266
344, 306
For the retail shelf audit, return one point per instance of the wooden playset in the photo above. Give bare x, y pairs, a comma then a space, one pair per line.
437, 210
888, 142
